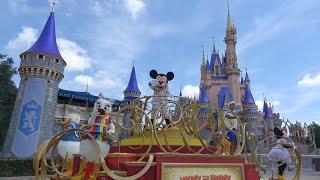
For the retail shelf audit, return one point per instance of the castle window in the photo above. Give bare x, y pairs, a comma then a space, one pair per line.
40, 56
50, 95
25, 57
56, 61
217, 70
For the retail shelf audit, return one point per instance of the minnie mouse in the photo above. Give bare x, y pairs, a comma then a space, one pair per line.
280, 153
161, 90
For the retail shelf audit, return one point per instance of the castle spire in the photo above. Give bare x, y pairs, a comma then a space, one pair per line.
229, 18
213, 46
248, 98
266, 110
46, 43
203, 62
246, 77
232, 70
132, 85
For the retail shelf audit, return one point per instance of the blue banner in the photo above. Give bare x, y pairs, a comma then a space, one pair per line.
25, 141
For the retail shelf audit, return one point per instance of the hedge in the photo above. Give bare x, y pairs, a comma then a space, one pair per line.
10, 168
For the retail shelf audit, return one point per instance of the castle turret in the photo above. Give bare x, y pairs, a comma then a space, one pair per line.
131, 93
233, 72
250, 110
204, 112
267, 116
41, 70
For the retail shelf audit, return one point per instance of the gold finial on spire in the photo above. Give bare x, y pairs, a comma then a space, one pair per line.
53, 4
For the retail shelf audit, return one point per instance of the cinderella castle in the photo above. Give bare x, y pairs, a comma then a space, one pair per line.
40, 104
220, 83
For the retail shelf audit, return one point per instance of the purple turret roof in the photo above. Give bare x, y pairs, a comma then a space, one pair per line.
46, 43
248, 98
132, 85
203, 98
266, 110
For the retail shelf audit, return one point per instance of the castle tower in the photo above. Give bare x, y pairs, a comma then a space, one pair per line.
41, 70
268, 124
233, 72
132, 91
250, 110
203, 112
130, 94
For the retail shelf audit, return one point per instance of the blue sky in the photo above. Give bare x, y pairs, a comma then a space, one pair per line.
278, 42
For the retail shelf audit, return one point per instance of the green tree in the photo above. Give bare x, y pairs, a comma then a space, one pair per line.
315, 128
8, 92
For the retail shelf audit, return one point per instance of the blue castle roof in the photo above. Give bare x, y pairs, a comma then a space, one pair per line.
266, 110
224, 91
203, 98
248, 98
215, 57
46, 43
132, 85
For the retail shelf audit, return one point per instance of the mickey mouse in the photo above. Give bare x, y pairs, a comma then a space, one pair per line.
160, 87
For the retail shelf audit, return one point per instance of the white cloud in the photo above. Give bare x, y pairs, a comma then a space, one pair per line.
99, 80
84, 80
309, 81
76, 57
134, 7
24, 40
259, 103
190, 91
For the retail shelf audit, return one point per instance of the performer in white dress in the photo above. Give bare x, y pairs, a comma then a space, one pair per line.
280, 153
230, 116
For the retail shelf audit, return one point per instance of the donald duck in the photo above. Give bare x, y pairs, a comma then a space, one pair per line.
102, 130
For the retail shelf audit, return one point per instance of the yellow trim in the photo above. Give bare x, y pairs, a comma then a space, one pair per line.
173, 137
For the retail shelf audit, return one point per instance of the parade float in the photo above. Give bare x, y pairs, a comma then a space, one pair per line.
179, 139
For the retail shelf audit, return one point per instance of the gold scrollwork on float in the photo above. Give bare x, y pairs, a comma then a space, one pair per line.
182, 131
